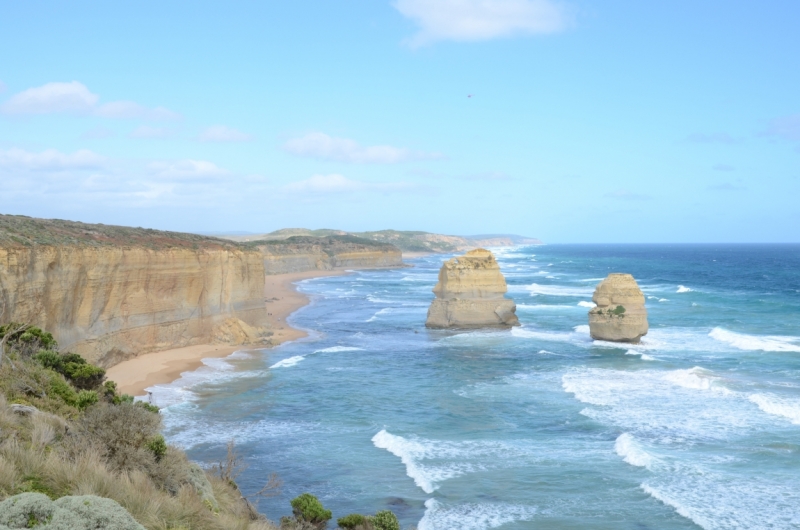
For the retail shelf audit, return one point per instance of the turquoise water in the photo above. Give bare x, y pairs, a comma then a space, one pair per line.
536, 427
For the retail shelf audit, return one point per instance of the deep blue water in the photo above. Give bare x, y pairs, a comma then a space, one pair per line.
536, 427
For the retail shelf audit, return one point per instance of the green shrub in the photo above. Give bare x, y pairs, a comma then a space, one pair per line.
158, 446
307, 508
27, 340
86, 398
619, 311
83, 375
385, 520
148, 407
350, 522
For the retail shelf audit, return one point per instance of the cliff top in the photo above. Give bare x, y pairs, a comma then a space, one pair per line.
331, 243
405, 240
23, 231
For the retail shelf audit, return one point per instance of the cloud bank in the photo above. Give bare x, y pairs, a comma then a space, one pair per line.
480, 20
321, 146
75, 98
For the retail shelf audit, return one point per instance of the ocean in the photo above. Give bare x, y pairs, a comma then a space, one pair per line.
534, 427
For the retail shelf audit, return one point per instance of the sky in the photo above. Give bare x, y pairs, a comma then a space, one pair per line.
571, 121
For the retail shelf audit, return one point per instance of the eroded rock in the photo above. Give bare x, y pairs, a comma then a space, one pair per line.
620, 315
470, 294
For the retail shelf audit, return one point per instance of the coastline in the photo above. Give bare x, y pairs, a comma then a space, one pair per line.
282, 299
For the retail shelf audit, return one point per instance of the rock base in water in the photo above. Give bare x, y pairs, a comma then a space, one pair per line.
470, 294
620, 315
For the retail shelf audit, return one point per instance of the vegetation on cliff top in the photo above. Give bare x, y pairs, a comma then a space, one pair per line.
22, 231
405, 240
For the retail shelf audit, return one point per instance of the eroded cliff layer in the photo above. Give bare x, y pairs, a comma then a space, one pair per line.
620, 315
470, 294
110, 293
302, 253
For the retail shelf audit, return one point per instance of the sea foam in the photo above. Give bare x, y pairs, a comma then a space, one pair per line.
631, 451
778, 406
286, 363
742, 341
472, 516
684, 289
558, 290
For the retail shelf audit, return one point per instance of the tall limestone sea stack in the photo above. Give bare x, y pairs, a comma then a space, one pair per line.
620, 315
469, 294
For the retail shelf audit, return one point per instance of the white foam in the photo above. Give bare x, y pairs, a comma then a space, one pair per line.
663, 300
472, 516
587, 304
696, 378
411, 452
555, 336
592, 280
544, 307
778, 406
724, 501
582, 329
383, 311
334, 349
683, 289
631, 451
646, 357
776, 343
286, 363
558, 290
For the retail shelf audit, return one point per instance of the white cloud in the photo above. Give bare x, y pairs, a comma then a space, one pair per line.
98, 133
477, 20
49, 160
146, 131
221, 133
320, 145
339, 184
187, 170
132, 110
51, 98
75, 98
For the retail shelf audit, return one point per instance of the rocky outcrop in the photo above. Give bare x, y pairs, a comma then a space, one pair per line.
620, 315
111, 293
470, 294
305, 253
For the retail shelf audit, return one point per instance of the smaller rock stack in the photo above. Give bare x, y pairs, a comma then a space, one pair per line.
620, 315
470, 294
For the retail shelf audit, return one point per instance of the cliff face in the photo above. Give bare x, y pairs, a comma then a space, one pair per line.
470, 294
110, 293
299, 254
620, 315
109, 304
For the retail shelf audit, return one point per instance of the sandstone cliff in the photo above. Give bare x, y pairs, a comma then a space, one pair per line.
299, 254
470, 293
620, 315
109, 293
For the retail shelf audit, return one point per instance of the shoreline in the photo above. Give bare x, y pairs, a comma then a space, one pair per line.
162, 367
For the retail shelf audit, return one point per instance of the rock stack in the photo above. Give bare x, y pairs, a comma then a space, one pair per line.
620, 315
470, 294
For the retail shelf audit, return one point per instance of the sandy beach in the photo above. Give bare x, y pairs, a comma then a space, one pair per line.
282, 299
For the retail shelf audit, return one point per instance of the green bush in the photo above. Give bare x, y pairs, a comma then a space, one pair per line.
307, 508
158, 446
619, 311
86, 398
27, 340
385, 520
350, 522
81, 374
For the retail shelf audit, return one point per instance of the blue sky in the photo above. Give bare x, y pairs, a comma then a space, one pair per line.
573, 121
